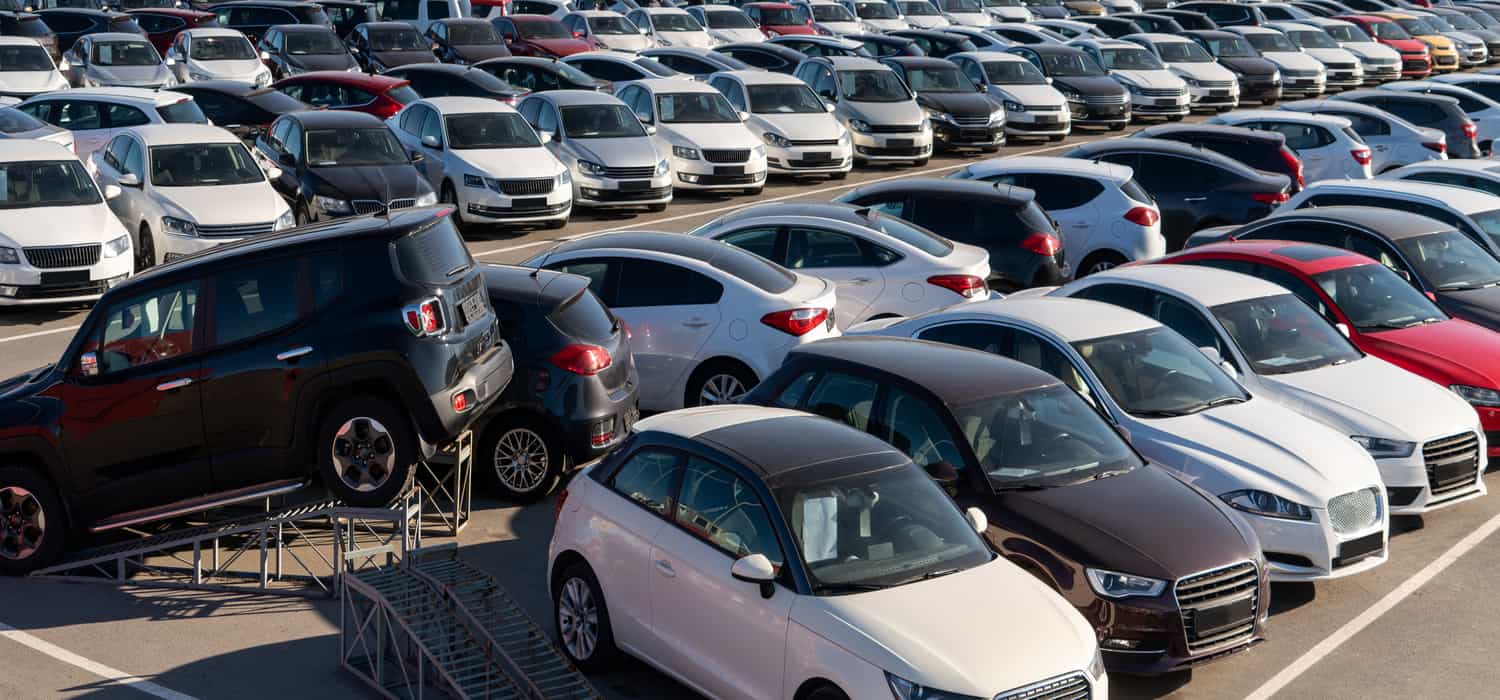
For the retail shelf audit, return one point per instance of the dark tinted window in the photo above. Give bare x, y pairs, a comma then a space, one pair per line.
1420, 113
1063, 191
1124, 295
979, 336
253, 300
761, 241
791, 396
1255, 155
583, 318
1366, 125
182, 112
755, 270
647, 478
814, 248
433, 255
1302, 231
844, 398
911, 424
724, 510
1133, 190
1184, 319
121, 116
652, 283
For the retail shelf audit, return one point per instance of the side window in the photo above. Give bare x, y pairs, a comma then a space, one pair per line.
149, 328
135, 159
1058, 192
791, 396
735, 95
978, 336
597, 271
546, 119
726, 512
278, 134
432, 126
823, 84
973, 72
1300, 232
76, 116
326, 279
946, 217
1372, 248
411, 120
761, 241
122, 116
1123, 295
294, 141
1179, 316
1042, 355
844, 398
114, 154
529, 110
253, 300
1299, 137
815, 248
1366, 125
653, 283
647, 477
911, 425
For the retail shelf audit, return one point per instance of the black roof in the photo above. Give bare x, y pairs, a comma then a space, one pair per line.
930, 35
881, 39
520, 61
264, 3
1355, 95
788, 449
335, 119
955, 374
918, 62
80, 11
547, 288
976, 188
1053, 49
229, 87
308, 28
1394, 224
387, 24
1188, 6
347, 3
786, 52
460, 20
1176, 148
449, 68
1222, 131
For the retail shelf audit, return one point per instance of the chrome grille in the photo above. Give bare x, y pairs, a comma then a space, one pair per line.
401, 204
375, 206
1106, 99
1289, 73
1452, 462
640, 173
962, 120
1216, 84
816, 142
1354, 511
235, 230
1160, 92
895, 128
528, 186
1070, 687
1340, 66
1044, 108
735, 156
1211, 589
52, 257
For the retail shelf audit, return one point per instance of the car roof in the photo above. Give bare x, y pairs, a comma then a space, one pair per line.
847, 213
987, 56
1391, 223
1055, 164
1212, 34
178, 134
956, 374
307, 28
119, 94
1251, 30
1488, 165
523, 19
238, 88
1159, 37
387, 25
852, 63
1163, 146
13, 150
18, 41
1072, 320
1287, 115
117, 36
468, 105
1050, 48
703, 250
576, 97
1101, 43
977, 188
674, 85
1319, 104
1208, 286
920, 62
1264, 137
450, 68
761, 77
1398, 94
170, 12
1308, 258
1459, 198
379, 83
334, 118
212, 31
547, 288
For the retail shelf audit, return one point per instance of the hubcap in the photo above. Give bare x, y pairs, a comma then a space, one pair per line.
521, 459
22, 523
578, 618
1100, 266
364, 453
721, 388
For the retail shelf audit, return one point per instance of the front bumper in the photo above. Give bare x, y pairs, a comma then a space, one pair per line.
1311, 550
1159, 106
1476, 56
1259, 90
1415, 66
171, 246
812, 159
1214, 98
488, 206
954, 136
1303, 87
1375, 75
1442, 472
1445, 62
1149, 636
1085, 114
24, 285
1037, 123
903, 146
603, 192
699, 174
1345, 78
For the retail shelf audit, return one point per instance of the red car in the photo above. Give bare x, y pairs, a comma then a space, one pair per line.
1416, 62
163, 24
1381, 313
779, 19
538, 35
380, 95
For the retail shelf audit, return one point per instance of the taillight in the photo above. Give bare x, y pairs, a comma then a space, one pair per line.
796, 322
425, 318
1293, 162
1042, 244
1470, 130
464, 400
624, 329
1439, 146
562, 497
602, 433
1272, 198
587, 360
385, 107
1142, 216
966, 286
1361, 155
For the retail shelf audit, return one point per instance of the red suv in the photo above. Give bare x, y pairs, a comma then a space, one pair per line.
380, 95
779, 19
538, 35
1416, 62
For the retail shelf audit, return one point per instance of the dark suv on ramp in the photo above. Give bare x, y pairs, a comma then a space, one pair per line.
351, 349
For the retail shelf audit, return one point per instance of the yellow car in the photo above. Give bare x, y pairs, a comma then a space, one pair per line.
1444, 53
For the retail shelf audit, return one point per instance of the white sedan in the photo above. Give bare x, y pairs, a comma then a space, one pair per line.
214, 53
1327, 145
801, 135
27, 69
711, 147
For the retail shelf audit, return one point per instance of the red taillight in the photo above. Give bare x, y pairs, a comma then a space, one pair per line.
1042, 244
602, 433
587, 360
1142, 216
1361, 155
1439, 146
1470, 130
425, 318
385, 107
562, 497
1272, 198
796, 322
464, 400
1293, 162
966, 286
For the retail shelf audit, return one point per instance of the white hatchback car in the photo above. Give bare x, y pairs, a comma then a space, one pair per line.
1033, 108
883, 266
832, 16
1344, 68
1394, 141
1313, 496
59, 242
1104, 216
670, 26
720, 546
1481, 109
1327, 145
214, 53
27, 69
708, 320
801, 136
1278, 347
1210, 85
482, 157
95, 115
921, 14
881, 15
966, 13
711, 147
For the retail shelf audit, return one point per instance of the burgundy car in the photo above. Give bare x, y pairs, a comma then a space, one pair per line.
163, 24
537, 35
380, 95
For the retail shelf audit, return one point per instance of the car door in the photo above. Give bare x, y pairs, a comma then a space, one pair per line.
433, 164
635, 511
842, 259
85, 118
120, 156
718, 517
672, 311
1180, 195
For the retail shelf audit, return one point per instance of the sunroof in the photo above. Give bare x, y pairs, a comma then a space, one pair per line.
1308, 252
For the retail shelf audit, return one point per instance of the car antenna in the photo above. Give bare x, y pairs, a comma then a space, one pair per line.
537, 271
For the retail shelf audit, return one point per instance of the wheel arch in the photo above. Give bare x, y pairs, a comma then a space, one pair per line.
45, 465
813, 684
565, 559
716, 362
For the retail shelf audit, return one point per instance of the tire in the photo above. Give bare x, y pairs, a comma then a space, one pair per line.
32, 523
145, 250
1057, 137
1116, 127
838, 176
450, 197
920, 162
520, 458
303, 218
990, 149
1268, 101
582, 619
826, 691
722, 382
656, 208
1175, 118
754, 192
556, 224
1099, 262
366, 449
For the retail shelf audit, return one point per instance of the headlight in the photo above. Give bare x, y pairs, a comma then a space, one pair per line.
1191, 82
285, 221
332, 205
263, 78
199, 75
926, 124
685, 153
776, 139
1275, 75
564, 178
115, 247
1096, 667
1380, 448
663, 167
1267, 504
1071, 95
1478, 395
997, 116
475, 181
939, 116
590, 168
859, 125
759, 150
427, 200
844, 138
904, 689
178, 227
9, 256
1132, 89
1113, 584
1015, 106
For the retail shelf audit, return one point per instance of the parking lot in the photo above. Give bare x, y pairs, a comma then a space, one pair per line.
1420, 626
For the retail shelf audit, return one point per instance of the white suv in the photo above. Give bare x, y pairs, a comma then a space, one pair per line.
59, 243
1327, 144
95, 115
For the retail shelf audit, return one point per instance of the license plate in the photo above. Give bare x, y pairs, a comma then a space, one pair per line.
69, 277
817, 157
1354, 550
1207, 621
899, 143
473, 308
635, 185
1109, 110
1166, 103
1451, 473
1045, 119
528, 203
730, 170
1218, 93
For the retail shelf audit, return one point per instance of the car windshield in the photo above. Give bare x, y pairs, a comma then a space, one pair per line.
1312, 40
1481, 18
222, 48
1451, 261
1440, 23
1376, 299
784, 99
14, 121
542, 29
1270, 41
1234, 47
203, 165
610, 25
1004, 3
327, 148
938, 79
675, 22
1043, 3
832, 13
1013, 73
778, 16
909, 529
313, 44
1489, 222
1462, 22
654, 66
600, 122
1156, 373
1417, 26
1042, 437
1129, 59
15, 59
728, 19
1347, 33
489, 130
1183, 52
871, 86
960, 6
875, 10
695, 108
917, 8
1389, 31
45, 183
1281, 335
405, 39
1071, 63
477, 34
124, 53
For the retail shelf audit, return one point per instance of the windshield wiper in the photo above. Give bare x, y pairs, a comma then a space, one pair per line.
836, 588
1464, 286
1159, 414
930, 575
1027, 486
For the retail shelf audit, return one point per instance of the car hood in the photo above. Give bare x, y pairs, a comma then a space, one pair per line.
1294, 60
960, 103
1452, 352
224, 205
1201, 71
1371, 49
381, 182
510, 162
903, 112
1091, 84
1249, 65
634, 152
628, 42
817, 126
562, 47
1406, 45
1110, 524
129, 76
733, 135
93, 223
323, 61
1481, 306
396, 59
1150, 78
1333, 55
227, 70
945, 632
696, 39
1037, 95
31, 81
1437, 41
842, 27
1372, 397
887, 25
928, 21
474, 53
733, 36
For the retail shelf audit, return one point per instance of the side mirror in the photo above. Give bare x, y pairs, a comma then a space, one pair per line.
88, 364
431, 142
265, 55
1343, 328
744, 116
112, 191
171, 61
273, 173
650, 130
641, 30
129, 180
1049, 81
546, 136
977, 520
755, 568
287, 160
577, 35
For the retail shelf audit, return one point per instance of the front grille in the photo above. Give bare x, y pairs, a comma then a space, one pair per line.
235, 230
735, 156
815, 142
1216, 84
1339, 66
375, 206
1447, 60
1044, 108
641, 173
53, 257
63, 291
628, 195
1070, 687
895, 128
1354, 511
892, 152
525, 187
1161, 92
964, 120
1418, 65
1452, 462
1289, 73
1199, 594
1106, 99
714, 180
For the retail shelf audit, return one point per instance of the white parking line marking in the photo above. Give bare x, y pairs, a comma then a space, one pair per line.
1366, 618
110, 674
38, 334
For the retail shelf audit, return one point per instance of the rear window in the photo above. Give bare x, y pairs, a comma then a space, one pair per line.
30, 26
1133, 190
1034, 220
912, 235
752, 268
313, 15
1355, 137
403, 94
584, 317
434, 255
126, 25
182, 112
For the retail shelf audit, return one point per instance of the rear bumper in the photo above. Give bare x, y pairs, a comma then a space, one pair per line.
487, 379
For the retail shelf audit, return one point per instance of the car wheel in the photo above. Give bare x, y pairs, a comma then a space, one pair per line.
145, 250
303, 218
826, 692
838, 176
1057, 137
31, 521
920, 162
583, 619
450, 197
1116, 127
1099, 262
366, 449
754, 192
524, 462
557, 224
719, 382
1268, 101
990, 149
1175, 118
656, 207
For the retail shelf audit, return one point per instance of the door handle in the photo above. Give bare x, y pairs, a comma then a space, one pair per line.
695, 324
294, 353
1193, 199
664, 567
860, 280
174, 384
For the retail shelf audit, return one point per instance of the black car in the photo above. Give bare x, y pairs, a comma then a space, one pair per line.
935, 43
1190, 21
1323, 9
1224, 13
694, 61
339, 163
28, 24
465, 40
577, 399
540, 74
1094, 98
1115, 26
243, 108
1153, 22
883, 45
348, 14
446, 79
69, 24
254, 17
764, 55
962, 115
381, 46
303, 48
1259, 149
1439, 112
1258, 77
1025, 249
1194, 187
346, 351
818, 45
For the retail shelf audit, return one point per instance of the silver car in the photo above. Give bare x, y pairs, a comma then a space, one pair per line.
881, 113
614, 161
802, 137
116, 59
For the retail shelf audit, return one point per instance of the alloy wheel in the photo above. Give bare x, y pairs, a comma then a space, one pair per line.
578, 618
721, 388
1100, 266
521, 459
23, 524
364, 453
